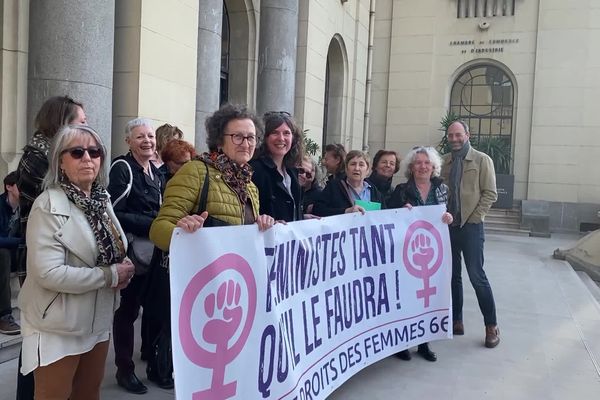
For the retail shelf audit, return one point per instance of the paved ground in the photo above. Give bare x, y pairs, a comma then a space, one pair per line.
550, 348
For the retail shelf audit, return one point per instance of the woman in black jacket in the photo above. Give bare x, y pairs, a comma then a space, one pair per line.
340, 194
421, 167
275, 173
385, 165
135, 188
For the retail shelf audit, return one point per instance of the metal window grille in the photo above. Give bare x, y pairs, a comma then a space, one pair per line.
485, 8
483, 97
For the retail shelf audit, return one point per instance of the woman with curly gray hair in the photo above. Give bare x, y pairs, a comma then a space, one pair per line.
421, 166
215, 189
275, 173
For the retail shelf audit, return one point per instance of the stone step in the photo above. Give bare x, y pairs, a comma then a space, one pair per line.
591, 285
581, 305
581, 292
512, 213
502, 218
502, 224
505, 231
10, 345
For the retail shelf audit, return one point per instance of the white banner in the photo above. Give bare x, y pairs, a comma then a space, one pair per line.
295, 311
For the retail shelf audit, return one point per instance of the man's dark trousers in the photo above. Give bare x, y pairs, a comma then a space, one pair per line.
467, 242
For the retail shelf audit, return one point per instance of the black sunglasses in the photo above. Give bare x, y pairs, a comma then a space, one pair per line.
78, 152
302, 171
284, 113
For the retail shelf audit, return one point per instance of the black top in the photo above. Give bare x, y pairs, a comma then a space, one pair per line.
274, 198
407, 193
335, 199
383, 184
137, 211
310, 196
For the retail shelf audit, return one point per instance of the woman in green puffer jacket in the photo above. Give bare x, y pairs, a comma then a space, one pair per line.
231, 197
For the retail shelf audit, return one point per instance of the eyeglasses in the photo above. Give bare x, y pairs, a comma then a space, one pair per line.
238, 138
78, 152
307, 174
284, 113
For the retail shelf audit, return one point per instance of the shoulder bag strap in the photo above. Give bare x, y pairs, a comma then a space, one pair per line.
125, 194
203, 193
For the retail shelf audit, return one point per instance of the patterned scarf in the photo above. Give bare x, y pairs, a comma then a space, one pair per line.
40, 142
235, 176
110, 246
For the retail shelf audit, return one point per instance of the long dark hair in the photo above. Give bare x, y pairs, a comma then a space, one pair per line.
273, 120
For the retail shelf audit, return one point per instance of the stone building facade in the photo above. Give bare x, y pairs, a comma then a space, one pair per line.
370, 74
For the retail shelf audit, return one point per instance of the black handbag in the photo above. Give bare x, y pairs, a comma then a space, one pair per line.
161, 364
140, 253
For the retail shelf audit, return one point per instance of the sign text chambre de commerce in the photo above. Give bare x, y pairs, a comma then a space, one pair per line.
294, 312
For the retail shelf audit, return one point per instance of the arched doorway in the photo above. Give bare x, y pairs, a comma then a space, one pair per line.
483, 96
241, 51
333, 107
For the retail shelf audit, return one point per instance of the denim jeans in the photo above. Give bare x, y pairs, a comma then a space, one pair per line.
467, 243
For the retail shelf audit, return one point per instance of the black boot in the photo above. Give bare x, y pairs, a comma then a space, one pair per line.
426, 353
404, 355
130, 382
163, 382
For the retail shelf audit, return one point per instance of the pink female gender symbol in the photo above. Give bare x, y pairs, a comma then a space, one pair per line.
229, 293
422, 255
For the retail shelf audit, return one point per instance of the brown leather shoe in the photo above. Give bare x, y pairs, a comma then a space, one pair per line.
458, 328
492, 336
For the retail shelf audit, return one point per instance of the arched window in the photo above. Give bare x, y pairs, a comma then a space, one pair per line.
483, 96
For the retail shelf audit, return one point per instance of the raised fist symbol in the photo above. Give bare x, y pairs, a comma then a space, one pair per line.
225, 314
422, 251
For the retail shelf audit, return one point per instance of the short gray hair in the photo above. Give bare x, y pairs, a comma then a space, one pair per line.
135, 123
408, 161
64, 136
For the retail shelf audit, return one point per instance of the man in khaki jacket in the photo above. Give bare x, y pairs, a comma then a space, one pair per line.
470, 176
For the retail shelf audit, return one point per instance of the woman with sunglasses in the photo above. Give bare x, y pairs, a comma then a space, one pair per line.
135, 188
424, 187
308, 177
216, 187
76, 265
275, 173
54, 113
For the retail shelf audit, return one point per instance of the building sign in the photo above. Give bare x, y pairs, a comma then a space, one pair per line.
483, 46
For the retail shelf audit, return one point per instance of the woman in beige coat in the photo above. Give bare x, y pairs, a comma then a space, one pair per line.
76, 265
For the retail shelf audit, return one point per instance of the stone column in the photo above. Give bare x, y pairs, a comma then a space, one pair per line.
71, 53
277, 55
208, 84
